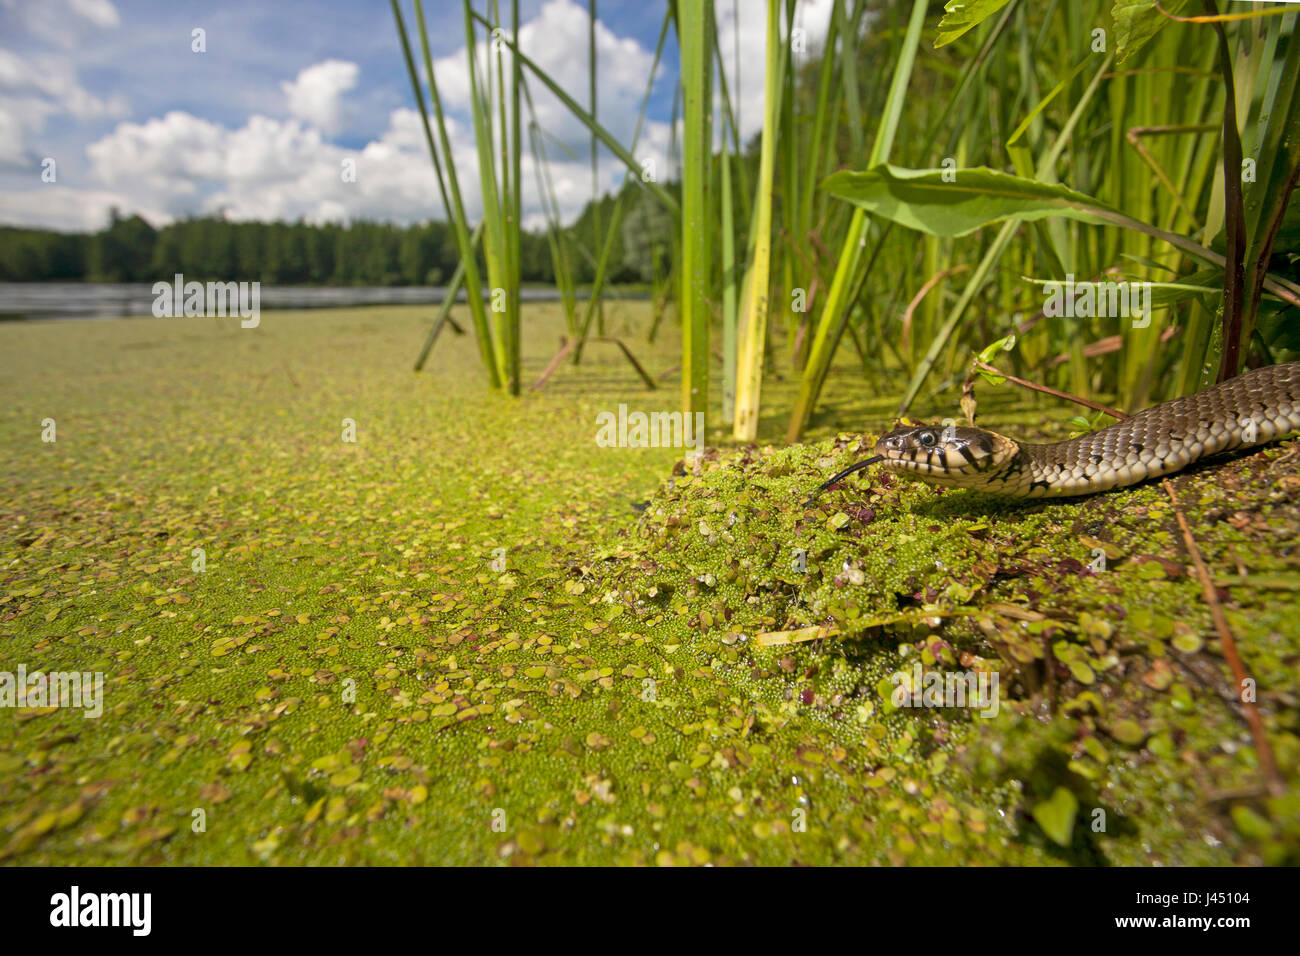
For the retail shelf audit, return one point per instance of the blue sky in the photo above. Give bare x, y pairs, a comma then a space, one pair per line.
260, 124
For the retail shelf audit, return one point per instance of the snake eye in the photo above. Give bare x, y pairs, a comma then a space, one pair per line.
926, 438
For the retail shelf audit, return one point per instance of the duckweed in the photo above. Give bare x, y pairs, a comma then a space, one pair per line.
456, 641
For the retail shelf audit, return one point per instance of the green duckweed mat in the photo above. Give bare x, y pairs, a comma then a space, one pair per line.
455, 640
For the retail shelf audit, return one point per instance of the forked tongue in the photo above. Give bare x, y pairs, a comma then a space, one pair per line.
836, 479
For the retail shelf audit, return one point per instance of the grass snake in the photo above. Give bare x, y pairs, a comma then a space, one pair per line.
1254, 408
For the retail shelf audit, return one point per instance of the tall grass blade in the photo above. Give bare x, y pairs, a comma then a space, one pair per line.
834, 314
694, 25
606, 138
448, 301
495, 240
449, 188
753, 332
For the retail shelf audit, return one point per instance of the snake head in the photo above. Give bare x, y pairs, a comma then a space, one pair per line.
952, 455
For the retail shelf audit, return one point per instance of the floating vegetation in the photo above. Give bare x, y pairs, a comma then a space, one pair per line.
359, 674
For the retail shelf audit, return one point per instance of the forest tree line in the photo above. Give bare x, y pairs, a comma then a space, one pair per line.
130, 249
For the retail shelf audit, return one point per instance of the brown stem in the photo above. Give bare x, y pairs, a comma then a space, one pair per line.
930, 283
1267, 763
1096, 406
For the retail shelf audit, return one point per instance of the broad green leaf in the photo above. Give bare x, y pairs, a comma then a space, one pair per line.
1079, 425
1056, 815
1004, 344
1207, 281
1279, 330
1288, 236
960, 16
920, 198
1137, 21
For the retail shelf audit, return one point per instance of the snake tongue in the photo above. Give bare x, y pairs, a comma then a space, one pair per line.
837, 478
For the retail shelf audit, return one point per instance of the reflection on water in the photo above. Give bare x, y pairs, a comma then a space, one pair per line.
90, 300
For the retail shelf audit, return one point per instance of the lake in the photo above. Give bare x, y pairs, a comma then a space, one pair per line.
102, 300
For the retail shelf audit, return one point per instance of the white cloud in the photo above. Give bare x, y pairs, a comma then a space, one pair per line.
53, 77
99, 12
164, 158
266, 169
35, 88
748, 32
274, 169
65, 23
283, 168
316, 95
68, 209
20, 119
556, 40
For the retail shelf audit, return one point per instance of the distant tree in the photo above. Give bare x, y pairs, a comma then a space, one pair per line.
19, 261
646, 225
220, 255
269, 270
124, 251
380, 263
248, 250
363, 253
34, 255
345, 270
294, 269
535, 263
193, 248
416, 255
167, 258
67, 259
321, 242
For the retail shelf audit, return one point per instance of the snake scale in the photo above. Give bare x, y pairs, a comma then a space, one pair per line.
1254, 408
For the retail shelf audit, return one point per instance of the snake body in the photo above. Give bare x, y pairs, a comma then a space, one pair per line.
1257, 407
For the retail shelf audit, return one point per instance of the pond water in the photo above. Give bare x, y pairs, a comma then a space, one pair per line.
89, 300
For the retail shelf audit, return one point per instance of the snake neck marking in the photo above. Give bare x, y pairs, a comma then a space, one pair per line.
1252, 409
